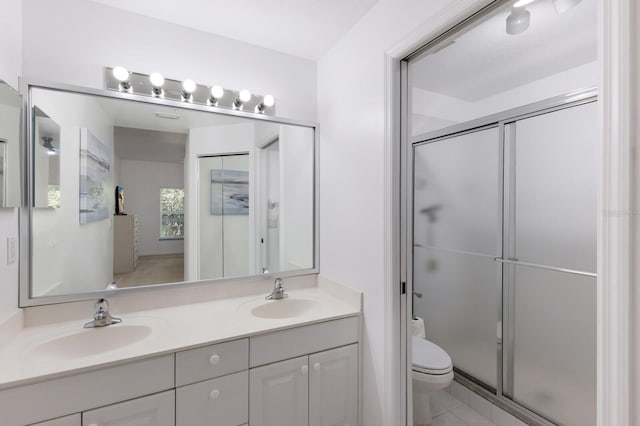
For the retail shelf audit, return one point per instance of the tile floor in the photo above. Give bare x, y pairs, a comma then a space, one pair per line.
447, 410
458, 406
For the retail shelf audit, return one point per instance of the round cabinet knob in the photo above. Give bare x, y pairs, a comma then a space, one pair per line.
214, 394
214, 359
304, 370
316, 366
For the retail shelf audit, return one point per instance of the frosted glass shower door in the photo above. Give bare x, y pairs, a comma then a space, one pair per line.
550, 363
457, 219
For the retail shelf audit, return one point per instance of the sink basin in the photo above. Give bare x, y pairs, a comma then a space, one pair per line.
87, 342
286, 308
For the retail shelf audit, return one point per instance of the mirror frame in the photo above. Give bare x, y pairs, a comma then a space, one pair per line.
25, 227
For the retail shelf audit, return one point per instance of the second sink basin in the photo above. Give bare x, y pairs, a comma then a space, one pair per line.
285, 308
87, 342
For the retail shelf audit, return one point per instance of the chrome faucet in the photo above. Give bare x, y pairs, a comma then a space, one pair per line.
278, 291
102, 317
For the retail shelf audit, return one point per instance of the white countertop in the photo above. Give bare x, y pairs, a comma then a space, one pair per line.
30, 355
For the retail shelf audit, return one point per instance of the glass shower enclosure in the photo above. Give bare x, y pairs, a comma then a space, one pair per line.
504, 250
500, 163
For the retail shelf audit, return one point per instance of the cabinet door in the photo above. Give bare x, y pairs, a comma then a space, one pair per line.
73, 420
153, 410
333, 387
278, 394
220, 402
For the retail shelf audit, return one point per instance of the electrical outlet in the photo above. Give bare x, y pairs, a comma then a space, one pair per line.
12, 250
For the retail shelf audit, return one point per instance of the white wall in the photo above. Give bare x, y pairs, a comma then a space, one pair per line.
68, 256
352, 165
218, 140
141, 181
11, 41
70, 41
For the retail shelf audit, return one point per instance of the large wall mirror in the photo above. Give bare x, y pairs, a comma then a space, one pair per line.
10, 131
128, 191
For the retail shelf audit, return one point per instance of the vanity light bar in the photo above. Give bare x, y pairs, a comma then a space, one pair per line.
188, 91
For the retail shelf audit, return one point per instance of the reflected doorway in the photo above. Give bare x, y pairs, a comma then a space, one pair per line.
223, 216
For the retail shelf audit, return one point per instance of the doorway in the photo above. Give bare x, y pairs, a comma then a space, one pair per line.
501, 196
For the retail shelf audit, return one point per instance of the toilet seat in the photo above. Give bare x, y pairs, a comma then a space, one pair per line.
429, 358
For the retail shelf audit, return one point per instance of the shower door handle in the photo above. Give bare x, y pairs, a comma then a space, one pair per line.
514, 261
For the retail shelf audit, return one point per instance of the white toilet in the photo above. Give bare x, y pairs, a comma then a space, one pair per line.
432, 370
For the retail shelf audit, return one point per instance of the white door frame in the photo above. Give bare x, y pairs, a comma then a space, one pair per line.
618, 215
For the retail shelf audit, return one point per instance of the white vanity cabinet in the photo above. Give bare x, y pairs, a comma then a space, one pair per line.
63, 396
153, 410
280, 393
333, 387
213, 385
319, 388
221, 402
300, 376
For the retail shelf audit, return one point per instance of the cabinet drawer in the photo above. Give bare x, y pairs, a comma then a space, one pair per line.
153, 410
294, 342
211, 361
58, 397
73, 420
220, 402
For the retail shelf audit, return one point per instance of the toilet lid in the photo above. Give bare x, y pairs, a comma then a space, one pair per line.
428, 357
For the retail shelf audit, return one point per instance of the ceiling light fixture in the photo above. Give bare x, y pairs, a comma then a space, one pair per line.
122, 75
243, 97
518, 21
189, 91
47, 143
188, 87
267, 102
216, 93
521, 3
157, 81
562, 6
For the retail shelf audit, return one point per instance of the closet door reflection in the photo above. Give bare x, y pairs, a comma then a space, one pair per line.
224, 218
457, 208
551, 358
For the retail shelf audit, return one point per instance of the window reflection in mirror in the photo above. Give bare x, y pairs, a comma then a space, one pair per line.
191, 195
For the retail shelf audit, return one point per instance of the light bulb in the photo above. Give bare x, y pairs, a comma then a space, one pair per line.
245, 96
189, 86
121, 74
269, 101
157, 80
521, 3
217, 92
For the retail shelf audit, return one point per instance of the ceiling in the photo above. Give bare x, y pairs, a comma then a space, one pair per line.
149, 145
552, 44
141, 135
303, 28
